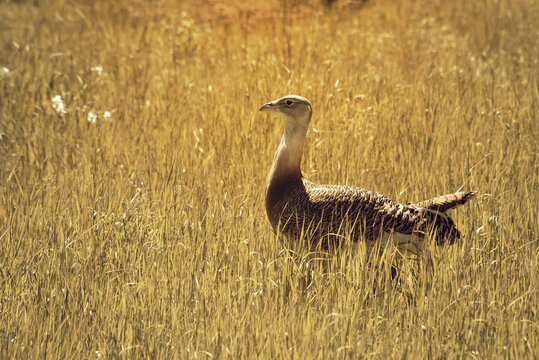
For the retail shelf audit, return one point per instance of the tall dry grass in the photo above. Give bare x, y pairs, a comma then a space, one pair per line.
143, 233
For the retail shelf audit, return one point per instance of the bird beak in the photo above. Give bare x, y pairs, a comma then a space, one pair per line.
266, 107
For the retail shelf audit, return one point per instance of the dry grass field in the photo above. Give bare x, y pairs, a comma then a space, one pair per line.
133, 163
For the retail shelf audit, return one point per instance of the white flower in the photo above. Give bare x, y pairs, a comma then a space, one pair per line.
92, 118
97, 69
58, 105
107, 116
3, 71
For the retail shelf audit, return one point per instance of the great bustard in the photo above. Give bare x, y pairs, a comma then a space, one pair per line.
299, 208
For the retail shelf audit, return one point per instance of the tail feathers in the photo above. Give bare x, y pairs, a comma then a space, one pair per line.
446, 202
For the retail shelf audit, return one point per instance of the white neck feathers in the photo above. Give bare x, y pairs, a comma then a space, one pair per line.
290, 150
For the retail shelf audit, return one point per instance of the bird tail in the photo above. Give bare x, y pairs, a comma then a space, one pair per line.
446, 202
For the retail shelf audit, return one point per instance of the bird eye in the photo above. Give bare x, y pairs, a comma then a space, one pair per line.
289, 102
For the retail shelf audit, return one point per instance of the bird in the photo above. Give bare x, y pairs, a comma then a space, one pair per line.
300, 210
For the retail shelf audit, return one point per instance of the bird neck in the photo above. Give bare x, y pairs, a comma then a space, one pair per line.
285, 174
287, 160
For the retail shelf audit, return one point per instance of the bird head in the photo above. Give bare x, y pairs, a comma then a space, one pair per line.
290, 107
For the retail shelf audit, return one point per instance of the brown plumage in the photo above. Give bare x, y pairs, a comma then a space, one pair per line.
299, 208
447, 202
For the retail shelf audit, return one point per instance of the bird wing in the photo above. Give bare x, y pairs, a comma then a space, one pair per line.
374, 212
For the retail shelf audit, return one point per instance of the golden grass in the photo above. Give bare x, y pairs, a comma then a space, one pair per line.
146, 235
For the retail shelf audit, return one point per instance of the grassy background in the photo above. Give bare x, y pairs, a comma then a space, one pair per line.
145, 234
